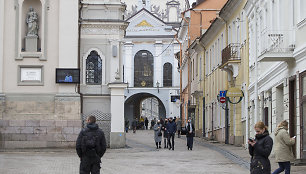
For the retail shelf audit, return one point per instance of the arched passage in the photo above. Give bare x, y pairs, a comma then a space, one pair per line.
132, 106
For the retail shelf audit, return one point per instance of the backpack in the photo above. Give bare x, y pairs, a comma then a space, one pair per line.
90, 143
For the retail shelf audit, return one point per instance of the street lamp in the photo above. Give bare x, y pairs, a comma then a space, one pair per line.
157, 85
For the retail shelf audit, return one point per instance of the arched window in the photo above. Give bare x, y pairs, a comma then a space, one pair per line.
143, 69
93, 69
167, 82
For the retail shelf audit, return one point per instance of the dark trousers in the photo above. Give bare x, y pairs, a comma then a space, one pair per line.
166, 142
89, 166
283, 166
178, 134
190, 142
171, 137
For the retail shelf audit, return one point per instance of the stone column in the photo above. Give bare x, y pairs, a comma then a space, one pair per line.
158, 67
128, 65
117, 134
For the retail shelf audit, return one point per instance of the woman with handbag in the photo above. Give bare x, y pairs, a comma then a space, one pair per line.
157, 134
189, 134
260, 149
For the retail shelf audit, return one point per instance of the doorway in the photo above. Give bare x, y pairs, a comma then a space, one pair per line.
303, 113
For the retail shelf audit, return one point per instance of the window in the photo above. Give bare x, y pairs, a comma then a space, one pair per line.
143, 69
200, 68
93, 69
167, 70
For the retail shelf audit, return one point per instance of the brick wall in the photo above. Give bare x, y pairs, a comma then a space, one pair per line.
39, 133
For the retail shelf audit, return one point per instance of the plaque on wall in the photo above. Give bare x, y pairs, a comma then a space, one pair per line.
30, 74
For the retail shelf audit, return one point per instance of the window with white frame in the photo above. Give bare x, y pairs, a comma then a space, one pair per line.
207, 62
200, 67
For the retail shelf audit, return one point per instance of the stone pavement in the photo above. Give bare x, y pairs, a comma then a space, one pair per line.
140, 157
240, 155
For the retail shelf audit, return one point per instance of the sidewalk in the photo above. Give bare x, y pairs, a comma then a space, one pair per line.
241, 156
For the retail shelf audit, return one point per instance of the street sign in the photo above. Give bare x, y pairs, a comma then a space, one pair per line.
222, 93
234, 92
222, 99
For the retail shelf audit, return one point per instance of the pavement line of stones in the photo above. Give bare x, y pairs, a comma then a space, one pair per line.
229, 155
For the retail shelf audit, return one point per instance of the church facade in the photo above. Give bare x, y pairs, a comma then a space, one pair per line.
57, 67
150, 67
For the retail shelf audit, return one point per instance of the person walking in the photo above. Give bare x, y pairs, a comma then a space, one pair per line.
164, 129
134, 125
152, 124
260, 149
179, 127
189, 134
157, 134
127, 124
90, 147
283, 148
146, 123
171, 129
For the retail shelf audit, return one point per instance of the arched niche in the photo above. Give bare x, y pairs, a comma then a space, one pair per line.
21, 10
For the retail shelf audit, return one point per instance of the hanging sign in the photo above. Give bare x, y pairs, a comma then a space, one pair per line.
234, 92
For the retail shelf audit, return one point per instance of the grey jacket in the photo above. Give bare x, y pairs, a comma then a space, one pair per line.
283, 145
157, 130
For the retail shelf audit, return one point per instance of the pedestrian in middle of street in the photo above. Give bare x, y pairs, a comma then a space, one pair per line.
260, 149
283, 148
171, 129
90, 147
164, 128
157, 134
189, 134
152, 124
134, 125
179, 127
146, 123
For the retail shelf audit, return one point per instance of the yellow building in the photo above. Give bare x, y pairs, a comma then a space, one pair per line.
224, 50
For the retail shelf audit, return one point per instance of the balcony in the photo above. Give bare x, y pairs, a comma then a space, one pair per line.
276, 45
230, 59
231, 53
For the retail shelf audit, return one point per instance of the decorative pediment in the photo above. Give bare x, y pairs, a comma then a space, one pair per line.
144, 23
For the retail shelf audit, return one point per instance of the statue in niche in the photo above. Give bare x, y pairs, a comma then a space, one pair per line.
32, 21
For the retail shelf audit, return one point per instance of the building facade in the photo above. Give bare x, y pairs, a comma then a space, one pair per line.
277, 66
150, 68
43, 41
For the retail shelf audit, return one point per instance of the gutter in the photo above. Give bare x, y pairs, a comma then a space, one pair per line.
79, 55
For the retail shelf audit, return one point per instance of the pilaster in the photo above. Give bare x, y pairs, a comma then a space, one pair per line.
128, 68
117, 134
1, 44
158, 64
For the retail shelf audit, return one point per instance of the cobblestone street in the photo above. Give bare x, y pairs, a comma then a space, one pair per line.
140, 156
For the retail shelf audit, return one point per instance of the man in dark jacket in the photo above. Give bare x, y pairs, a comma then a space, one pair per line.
146, 123
90, 147
171, 129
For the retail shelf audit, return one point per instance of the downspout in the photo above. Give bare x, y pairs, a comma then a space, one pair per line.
181, 92
79, 55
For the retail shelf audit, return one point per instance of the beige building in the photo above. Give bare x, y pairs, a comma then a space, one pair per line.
56, 71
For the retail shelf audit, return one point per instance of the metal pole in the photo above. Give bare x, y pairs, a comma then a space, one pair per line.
226, 122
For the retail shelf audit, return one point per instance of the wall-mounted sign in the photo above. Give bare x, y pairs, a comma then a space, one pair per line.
30, 74
234, 92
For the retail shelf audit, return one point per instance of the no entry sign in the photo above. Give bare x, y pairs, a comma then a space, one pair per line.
222, 100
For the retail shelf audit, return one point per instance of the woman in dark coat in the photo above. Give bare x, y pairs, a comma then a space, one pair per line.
260, 150
165, 133
189, 134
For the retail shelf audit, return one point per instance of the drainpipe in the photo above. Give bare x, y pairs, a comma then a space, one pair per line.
79, 55
181, 92
256, 67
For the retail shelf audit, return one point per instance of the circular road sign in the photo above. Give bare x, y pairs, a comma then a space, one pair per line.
222, 100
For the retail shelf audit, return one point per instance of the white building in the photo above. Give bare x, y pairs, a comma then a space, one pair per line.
150, 68
277, 66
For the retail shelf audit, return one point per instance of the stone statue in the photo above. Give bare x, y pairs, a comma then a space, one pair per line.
32, 21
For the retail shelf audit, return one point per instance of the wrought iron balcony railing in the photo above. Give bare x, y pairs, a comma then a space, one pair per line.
231, 52
276, 41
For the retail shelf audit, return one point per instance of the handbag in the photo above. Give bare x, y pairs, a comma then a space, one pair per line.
159, 134
183, 131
